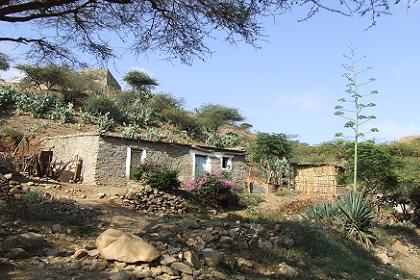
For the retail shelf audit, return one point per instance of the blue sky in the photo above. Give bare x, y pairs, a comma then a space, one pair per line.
292, 82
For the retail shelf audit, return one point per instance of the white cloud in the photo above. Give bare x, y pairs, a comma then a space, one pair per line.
313, 101
391, 130
12, 75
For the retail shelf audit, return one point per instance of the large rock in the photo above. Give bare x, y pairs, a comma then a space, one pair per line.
212, 257
113, 244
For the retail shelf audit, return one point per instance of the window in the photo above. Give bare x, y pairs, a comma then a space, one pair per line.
226, 163
200, 164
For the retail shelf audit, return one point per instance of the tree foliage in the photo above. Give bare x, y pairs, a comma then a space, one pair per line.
178, 29
270, 146
214, 116
4, 62
377, 168
140, 81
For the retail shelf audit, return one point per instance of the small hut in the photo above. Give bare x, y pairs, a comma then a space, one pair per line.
317, 178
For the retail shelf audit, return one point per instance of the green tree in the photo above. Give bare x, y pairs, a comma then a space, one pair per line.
214, 116
377, 168
51, 76
140, 81
353, 107
178, 29
270, 146
4, 62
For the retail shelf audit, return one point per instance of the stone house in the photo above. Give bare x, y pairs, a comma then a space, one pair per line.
106, 160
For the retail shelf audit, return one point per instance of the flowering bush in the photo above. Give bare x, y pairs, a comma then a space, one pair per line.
162, 176
214, 188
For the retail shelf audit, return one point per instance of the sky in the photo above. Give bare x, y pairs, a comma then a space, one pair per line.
291, 84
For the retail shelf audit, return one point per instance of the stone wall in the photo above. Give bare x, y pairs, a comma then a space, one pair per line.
111, 165
66, 151
112, 156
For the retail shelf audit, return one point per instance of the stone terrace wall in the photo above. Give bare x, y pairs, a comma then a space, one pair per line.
111, 165
67, 148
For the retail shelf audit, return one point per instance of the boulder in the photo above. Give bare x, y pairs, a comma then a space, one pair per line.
212, 257
113, 244
287, 270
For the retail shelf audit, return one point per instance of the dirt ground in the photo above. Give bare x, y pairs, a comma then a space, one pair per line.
108, 212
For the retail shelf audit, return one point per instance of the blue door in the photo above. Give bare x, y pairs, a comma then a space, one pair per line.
200, 165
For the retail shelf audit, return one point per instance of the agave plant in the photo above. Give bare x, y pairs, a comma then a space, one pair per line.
325, 213
356, 215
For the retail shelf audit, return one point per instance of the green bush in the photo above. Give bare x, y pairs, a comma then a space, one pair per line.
38, 106
16, 135
325, 213
7, 99
161, 176
100, 104
63, 112
131, 131
181, 119
86, 118
352, 214
105, 123
356, 217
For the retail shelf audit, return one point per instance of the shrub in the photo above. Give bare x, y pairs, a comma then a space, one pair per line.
131, 131
356, 217
7, 99
86, 118
351, 214
162, 176
16, 135
214, 189
63, 112
100, 104
105, 123
153, 134
325, 213
36, 105
180, 119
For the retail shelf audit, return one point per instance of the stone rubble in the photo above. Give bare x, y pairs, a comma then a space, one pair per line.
149, 200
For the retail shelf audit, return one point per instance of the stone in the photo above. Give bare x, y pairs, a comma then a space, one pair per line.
287, 270
57, 228
113, 244
212, 257
288, 241
167, 260
99, 266
182, 268
8, 176
142, 272
384, 258
75, 265
243, 263
191, 259
120, 275
218, 275
17, 253
100, 195
93, 253
80, 254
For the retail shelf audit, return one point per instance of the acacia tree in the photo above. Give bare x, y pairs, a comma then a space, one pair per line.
178, 29
214, 116
353, 106
140, 81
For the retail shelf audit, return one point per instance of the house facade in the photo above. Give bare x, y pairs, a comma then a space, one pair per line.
106, 160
